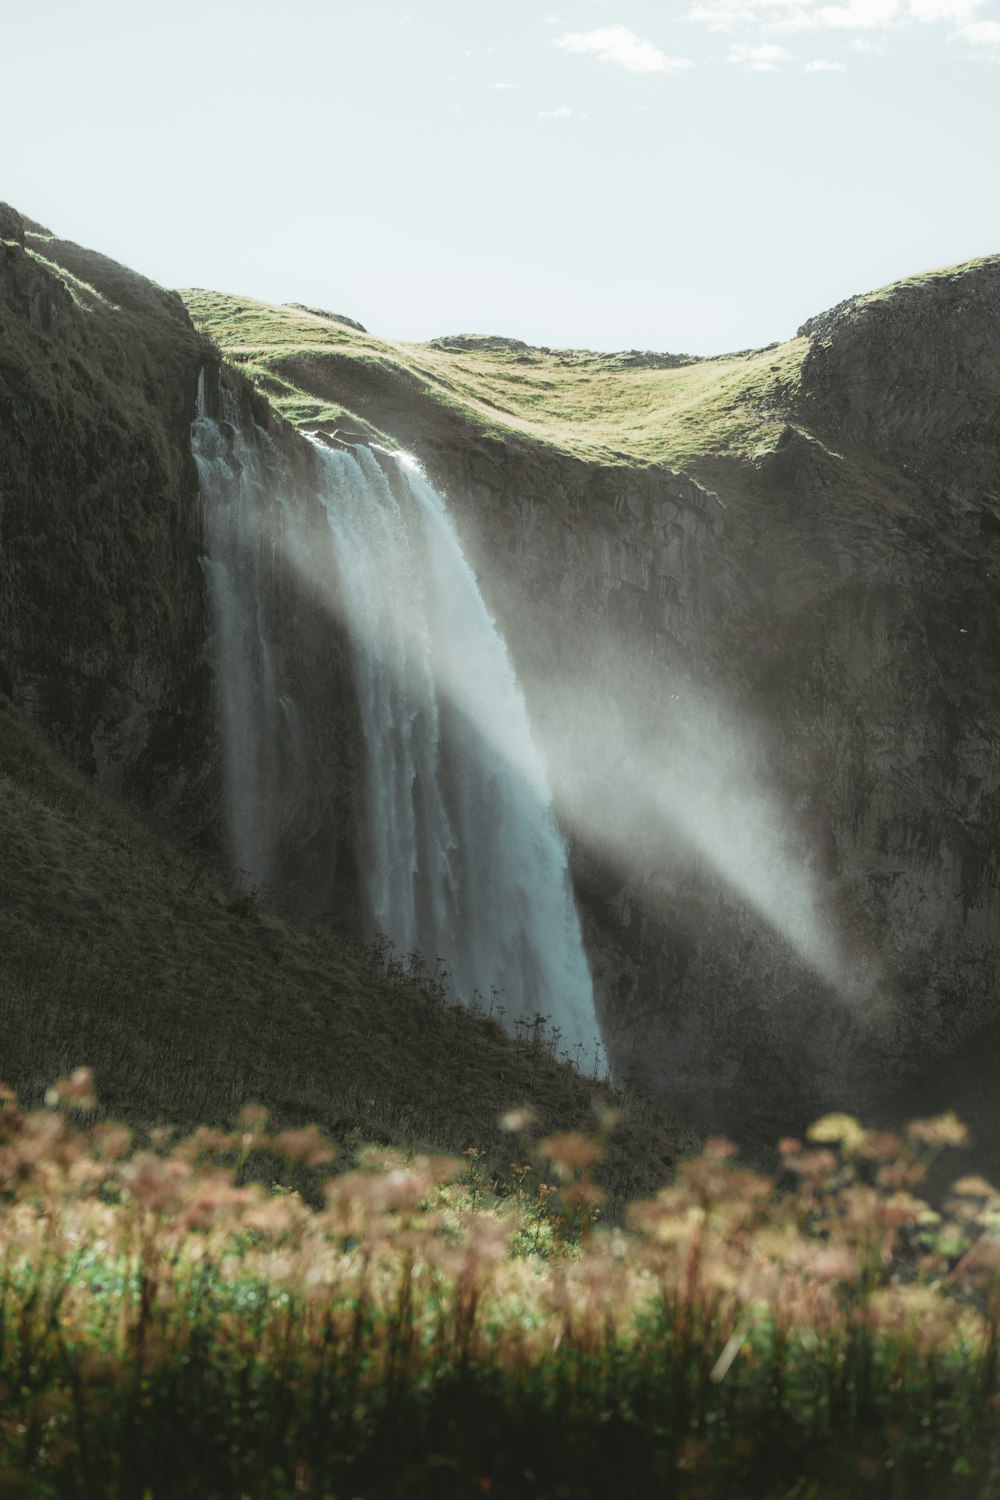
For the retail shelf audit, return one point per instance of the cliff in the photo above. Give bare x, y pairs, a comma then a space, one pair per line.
127, 940
106, 631
751, 601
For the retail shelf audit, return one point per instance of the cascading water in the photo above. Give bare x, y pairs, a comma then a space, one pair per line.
464, 861
232, 484
467, 861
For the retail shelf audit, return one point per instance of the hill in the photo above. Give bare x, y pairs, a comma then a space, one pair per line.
126, 941
762, 584
749, 601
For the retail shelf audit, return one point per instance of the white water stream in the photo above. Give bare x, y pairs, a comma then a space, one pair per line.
465, 861
468, 863
233, 486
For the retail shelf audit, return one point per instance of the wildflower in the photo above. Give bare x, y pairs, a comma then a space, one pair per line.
517, 1119
306, 1146
834, 1263
814, 1164
836, 1128
896, 1175
571, 1152
719, 1148
206, 1141
880, 1145
583, 1195
974, 1187
155, 1183
940, 1130
76, 1091
112, 1141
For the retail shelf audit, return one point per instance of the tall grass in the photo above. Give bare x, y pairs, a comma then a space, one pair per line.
168, 1328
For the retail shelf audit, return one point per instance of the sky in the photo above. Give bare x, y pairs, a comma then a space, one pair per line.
609, 174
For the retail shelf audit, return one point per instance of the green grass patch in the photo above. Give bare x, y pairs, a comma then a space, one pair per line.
86, 297
597, 406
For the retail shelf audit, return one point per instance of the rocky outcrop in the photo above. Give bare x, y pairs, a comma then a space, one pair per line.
100, 630
767, 688
812, 633
105, 625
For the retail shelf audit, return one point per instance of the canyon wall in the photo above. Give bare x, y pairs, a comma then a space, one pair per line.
818, 627
106, 634
767, 688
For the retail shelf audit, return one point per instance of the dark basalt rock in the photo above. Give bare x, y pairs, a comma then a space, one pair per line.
104, 616
835, 599
829, 606
332, 317
11, 225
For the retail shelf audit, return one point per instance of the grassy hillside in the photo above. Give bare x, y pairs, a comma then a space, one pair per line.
610, 408
627, 408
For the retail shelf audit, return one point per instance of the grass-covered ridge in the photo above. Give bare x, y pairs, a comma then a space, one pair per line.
605, 407
629, 408
938, 276
167, 1329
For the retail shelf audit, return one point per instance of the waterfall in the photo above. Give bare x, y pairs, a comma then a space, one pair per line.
467, 863
233, 482
463, 862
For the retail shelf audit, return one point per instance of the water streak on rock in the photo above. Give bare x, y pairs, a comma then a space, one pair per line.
466, 862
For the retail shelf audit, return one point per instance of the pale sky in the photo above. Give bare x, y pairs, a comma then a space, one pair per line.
613, 174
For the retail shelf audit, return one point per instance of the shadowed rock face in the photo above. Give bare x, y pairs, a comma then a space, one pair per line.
99, 527
767, 689
825, 617
105, 627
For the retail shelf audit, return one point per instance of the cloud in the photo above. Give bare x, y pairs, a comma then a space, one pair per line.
503, 88
946, 10
616, 44
732, 15
765, 58
848, 15
982, 33
858, 15
821, 65
560, 112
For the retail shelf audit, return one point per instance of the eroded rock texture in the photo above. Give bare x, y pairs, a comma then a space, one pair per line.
767, 689
818, 629
106, 635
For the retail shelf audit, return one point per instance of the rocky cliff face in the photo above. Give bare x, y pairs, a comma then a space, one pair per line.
106, 632
767, 687
100, 631
812, 631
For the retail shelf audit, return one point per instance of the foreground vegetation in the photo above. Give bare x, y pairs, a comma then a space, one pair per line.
169, 1327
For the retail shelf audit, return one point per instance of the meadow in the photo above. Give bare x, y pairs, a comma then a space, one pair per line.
632, 409
238, 1313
